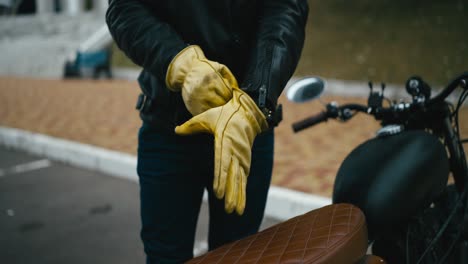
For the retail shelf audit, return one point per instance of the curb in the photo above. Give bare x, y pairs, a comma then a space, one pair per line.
281, 204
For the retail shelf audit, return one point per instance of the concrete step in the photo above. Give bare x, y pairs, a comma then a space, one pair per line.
37, 46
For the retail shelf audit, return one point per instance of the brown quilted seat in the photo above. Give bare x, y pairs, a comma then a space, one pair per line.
333, 234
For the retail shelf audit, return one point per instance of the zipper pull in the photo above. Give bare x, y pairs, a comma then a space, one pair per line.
262, 96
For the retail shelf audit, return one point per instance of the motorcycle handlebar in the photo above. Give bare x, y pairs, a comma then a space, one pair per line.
449, 89
342, 112
310, 121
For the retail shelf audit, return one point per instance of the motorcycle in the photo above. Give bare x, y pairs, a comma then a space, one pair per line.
399, 197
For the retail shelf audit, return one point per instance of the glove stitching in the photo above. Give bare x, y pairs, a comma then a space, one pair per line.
230, 203
171, 66
223, 133
218, 74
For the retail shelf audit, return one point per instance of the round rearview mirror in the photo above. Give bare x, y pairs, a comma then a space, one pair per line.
305, 89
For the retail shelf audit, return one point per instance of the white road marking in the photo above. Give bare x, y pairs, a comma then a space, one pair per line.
201, 247
25, 167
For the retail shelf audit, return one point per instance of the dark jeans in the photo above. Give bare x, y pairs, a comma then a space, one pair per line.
174, 171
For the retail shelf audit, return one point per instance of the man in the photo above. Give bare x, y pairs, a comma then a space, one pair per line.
212, 73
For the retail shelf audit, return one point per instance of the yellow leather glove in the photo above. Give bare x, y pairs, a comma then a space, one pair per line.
204, 84
234, 126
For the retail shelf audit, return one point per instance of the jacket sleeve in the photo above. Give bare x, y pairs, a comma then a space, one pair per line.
279, 42
147, 40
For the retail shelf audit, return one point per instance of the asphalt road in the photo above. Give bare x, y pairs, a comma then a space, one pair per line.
54, 213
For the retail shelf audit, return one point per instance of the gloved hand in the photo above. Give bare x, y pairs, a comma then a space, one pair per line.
234, 126
204, 84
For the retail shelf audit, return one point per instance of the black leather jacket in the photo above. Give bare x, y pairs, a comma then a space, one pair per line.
260, 41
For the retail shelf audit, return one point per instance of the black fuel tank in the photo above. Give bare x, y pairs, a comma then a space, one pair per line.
390, 178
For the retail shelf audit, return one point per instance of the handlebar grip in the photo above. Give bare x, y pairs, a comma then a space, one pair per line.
310, 121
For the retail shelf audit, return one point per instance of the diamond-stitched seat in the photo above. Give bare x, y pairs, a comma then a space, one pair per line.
332, 234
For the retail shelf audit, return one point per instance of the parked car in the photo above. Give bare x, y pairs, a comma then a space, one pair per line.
93, 64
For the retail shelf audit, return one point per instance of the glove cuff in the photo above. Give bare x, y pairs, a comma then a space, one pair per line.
256, 116
180, 65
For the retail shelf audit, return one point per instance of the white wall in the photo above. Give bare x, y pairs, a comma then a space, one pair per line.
70, 7
44, 6
100, 5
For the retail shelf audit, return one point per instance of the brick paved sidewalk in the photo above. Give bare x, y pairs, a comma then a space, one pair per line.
102, 113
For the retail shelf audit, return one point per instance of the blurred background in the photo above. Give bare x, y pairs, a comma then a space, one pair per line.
383, 40
62, 76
